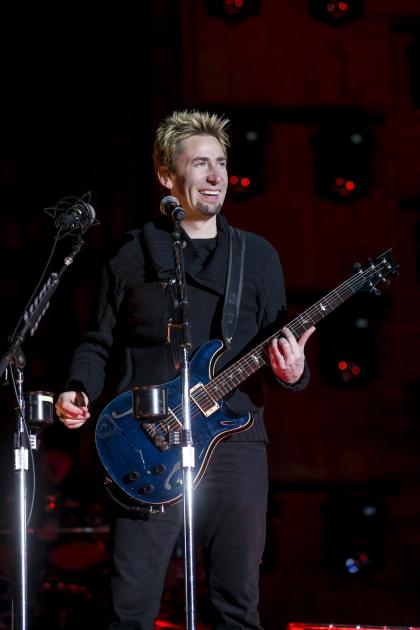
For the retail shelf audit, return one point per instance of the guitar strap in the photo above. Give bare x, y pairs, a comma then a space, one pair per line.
233, 293
234, 283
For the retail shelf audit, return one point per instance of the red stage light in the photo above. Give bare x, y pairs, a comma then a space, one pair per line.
233, 8
337, 11
245, 182
333, 626
233, 179
344, 192
350, 185
342, 365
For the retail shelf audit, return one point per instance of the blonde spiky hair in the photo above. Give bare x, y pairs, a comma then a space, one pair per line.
181, 125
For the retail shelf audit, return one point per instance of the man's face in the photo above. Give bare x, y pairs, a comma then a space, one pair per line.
200, 179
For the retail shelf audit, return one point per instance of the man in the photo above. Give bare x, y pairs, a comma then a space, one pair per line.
190, 157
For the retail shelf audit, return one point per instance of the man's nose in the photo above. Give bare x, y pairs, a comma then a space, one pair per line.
214, 175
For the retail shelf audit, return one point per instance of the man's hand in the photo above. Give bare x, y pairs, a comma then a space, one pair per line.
287, 356
72, 409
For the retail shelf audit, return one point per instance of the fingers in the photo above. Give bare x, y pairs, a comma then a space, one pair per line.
73, 424
304, 338
72, 409
297, 346
287, 356
289, 345
276, 357
285, 365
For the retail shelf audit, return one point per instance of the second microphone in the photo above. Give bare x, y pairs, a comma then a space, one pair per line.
169, 206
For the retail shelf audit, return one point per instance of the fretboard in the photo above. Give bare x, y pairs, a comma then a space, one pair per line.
248, 364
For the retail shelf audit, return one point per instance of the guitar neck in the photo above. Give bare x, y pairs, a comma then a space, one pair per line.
248, 364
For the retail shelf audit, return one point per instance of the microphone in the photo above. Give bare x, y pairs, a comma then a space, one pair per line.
73, 215
79, 216
169, 206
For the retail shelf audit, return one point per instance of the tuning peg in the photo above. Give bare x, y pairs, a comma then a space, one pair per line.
357, 267
376, 291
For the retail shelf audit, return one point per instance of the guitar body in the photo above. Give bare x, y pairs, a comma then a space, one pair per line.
141, 458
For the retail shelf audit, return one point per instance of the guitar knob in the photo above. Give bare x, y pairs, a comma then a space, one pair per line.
159, 469
147, 489
133, 475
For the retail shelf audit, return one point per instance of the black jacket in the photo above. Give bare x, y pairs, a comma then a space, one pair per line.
127, 344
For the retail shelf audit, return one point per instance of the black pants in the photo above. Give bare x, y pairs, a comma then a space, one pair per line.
230, 517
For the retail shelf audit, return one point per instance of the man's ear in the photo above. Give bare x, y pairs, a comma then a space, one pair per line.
165, 177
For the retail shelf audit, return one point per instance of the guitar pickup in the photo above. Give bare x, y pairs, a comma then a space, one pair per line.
204, 402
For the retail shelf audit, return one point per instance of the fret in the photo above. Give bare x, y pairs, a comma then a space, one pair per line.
318, 311
233, 376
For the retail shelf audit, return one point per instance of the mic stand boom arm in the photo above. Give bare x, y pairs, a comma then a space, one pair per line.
15, 358
36, 310
188, 453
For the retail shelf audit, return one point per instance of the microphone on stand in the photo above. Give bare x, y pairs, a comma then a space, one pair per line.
73, 215
80, 216
169, 206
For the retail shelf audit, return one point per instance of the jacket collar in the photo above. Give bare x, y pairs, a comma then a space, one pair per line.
158, 239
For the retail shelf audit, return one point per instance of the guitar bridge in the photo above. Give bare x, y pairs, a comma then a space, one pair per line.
160, 433
204, 402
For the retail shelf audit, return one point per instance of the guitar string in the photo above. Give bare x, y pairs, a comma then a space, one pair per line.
252, 360
250, 366
346, 289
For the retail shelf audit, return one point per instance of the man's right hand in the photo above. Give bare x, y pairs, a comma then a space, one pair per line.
72, 409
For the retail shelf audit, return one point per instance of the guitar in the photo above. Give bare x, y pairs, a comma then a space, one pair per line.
143, 459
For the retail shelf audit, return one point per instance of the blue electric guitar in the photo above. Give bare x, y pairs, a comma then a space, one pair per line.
142, 459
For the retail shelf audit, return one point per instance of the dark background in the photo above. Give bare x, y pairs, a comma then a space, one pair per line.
81, 96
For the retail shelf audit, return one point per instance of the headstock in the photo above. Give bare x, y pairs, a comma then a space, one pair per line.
367, 277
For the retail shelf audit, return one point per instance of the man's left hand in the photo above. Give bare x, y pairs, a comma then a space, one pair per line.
287, 355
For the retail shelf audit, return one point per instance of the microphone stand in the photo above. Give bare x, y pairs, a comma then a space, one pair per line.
14, 358
187, 447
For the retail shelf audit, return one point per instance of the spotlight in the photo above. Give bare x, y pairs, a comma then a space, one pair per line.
238, 184
358, 563
247, 156
336, 12
342, 159
348, 371
233, 10
348, 351
354, 534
